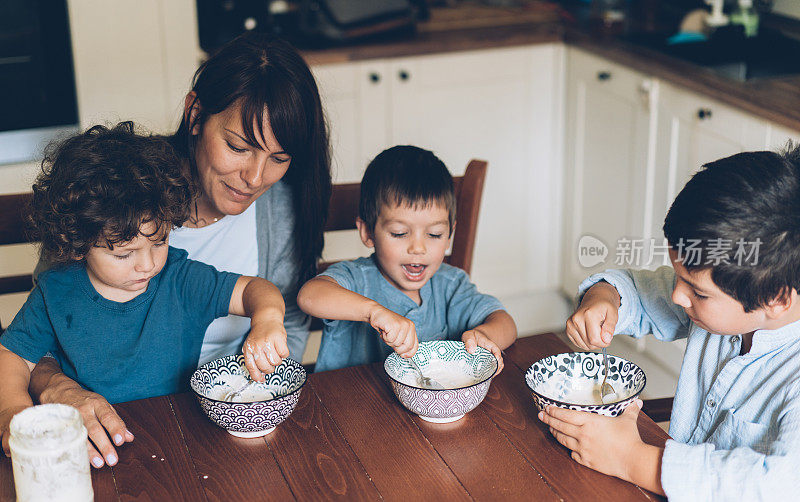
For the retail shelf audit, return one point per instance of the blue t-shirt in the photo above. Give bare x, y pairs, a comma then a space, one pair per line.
450, 305
148, 346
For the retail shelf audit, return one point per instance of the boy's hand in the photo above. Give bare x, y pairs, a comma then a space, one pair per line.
398, 332
5, 423
592, 325
605, 444
265, 348
474, 338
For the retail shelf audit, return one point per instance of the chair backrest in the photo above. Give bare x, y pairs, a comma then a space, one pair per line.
12, 231
343, 211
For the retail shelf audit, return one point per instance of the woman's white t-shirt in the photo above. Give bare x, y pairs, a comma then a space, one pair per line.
229, 244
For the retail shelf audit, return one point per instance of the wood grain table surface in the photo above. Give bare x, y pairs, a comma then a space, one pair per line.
349, 438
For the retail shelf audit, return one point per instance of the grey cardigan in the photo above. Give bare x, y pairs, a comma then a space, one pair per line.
276, 262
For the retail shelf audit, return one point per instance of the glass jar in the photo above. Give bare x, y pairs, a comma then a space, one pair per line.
49, 455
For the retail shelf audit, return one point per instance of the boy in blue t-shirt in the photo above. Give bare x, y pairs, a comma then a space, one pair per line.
403, 293
122, 312
732, 293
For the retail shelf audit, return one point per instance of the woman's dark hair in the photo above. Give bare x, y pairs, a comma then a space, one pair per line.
259, 72
405, 175
742, 213
99, 187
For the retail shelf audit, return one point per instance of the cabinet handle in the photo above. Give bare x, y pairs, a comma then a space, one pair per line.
374, 77
603, 76
404, 75
704, 113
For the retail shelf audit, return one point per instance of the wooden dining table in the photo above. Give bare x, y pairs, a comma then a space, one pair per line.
350, 438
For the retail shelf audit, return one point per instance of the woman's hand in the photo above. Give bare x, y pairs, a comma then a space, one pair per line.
265, 348
5, 422
398, 332
102, 422
474, 338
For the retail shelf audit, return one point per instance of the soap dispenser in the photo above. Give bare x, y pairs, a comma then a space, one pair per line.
747, 16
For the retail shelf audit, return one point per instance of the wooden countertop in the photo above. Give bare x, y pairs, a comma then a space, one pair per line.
472, 27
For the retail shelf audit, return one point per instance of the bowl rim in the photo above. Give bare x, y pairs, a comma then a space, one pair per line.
302, 384
592, 406
496, 367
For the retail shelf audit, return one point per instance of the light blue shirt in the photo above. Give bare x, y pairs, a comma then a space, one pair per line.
735, 421
450, 305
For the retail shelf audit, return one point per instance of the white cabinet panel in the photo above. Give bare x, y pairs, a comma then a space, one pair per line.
606, 159
779, 136
692, 131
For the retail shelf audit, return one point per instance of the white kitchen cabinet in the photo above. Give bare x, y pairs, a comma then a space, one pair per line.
500, 105
608, 127
694, 130
779, 136
133, 60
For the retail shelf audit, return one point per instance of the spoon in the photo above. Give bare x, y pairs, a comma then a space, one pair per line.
605, 388
426, 382
231, 395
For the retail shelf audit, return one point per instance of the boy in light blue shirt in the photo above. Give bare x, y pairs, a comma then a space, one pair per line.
403, 293
734, 233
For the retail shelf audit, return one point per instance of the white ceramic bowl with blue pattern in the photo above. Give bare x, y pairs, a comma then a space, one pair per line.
572, 380
275, 398
466, 378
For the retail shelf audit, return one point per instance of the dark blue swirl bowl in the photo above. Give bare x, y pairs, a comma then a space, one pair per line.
572, 380
252, 419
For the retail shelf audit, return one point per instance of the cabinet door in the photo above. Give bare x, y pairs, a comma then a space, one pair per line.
692, 131
779, 136
606, 159
500, 105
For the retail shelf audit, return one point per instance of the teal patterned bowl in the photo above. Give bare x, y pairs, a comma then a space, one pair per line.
466, 378
572, 381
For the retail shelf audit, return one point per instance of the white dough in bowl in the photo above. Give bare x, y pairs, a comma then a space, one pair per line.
228, 383
450, 374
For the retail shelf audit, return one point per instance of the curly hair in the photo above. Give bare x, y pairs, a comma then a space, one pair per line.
101, 186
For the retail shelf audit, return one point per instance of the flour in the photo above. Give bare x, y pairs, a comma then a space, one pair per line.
230, 383
449, 374
583, 391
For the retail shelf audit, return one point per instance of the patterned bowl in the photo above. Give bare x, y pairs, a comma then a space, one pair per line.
572, 380
466, 378
251, 419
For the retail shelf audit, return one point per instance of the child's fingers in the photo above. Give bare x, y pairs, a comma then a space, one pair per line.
573, 417
609, 325
266, 359
560, 425
282, 347
470, 341
594, 323
568, 441
250, 364
95, 459
575, 331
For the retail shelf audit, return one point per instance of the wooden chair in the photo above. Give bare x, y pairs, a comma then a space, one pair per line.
343, 211
12, 231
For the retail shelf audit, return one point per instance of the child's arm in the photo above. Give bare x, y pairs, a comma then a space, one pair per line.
496, 333
262, 302
15, 374
323, 297
612, 446
646, 308
592, 325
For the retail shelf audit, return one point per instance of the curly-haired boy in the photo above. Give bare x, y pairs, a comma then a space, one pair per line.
122, 312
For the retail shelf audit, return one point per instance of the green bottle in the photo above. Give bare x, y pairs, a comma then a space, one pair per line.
747, 16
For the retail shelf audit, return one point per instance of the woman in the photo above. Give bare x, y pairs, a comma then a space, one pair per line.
254, 141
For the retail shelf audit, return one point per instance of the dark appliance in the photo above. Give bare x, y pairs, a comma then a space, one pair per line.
37, 84
307, 23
